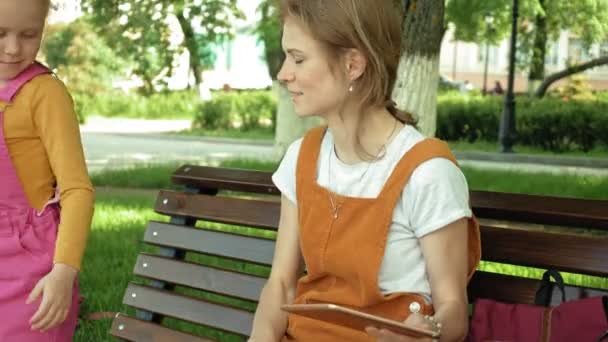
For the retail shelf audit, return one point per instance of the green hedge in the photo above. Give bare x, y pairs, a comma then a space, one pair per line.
169, 105
246, 110
552, 124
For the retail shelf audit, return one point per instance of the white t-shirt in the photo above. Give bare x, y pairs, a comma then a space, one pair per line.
436, 195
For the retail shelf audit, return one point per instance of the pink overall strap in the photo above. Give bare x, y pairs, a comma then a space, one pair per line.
12, 87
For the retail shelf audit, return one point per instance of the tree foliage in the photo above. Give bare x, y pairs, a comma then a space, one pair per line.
145, 30
82, 59
268, 30
588, 19
540, 21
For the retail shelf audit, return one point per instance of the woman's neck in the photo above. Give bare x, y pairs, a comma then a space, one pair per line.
356, 136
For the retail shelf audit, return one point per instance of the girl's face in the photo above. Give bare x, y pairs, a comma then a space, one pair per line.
314, 88
21, 27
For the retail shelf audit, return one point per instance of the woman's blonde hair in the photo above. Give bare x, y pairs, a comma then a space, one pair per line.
373, 27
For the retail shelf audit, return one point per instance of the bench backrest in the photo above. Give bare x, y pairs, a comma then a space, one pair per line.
212, 275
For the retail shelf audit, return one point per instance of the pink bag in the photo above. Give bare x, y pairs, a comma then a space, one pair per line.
584, 320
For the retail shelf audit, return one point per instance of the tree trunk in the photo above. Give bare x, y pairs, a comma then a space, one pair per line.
191, 45
418, 75
542, 89
289, 127
539, 50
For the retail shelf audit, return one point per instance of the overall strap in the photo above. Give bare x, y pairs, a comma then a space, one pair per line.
7, 94
306, 169
423, 151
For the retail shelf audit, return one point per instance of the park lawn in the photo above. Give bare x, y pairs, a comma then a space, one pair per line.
541, 183
485, 146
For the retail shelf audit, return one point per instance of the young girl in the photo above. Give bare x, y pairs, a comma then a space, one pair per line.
42, 169
376, 214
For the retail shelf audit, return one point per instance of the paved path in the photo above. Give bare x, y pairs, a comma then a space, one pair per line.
115, 143
104, 150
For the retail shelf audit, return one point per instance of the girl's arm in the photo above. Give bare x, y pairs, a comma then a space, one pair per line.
270, 322
57, 125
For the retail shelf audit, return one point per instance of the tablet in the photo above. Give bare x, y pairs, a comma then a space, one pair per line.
354, 319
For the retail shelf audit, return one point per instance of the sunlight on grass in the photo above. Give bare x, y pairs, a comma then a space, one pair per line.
537, 273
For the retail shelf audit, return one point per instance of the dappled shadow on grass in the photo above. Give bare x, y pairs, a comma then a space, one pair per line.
115, 240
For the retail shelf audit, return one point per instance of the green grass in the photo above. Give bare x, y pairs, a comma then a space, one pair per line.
484, 146
147, 177
259, 133
542, 183
118, 225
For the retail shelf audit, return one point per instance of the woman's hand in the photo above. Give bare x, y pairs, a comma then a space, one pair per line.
56, 289
414, 320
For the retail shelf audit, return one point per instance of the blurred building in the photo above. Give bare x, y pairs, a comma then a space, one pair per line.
465, 61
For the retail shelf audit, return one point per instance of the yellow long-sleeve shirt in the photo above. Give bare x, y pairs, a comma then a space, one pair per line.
43, 139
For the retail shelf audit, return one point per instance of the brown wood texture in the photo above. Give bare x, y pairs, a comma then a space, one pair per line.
246, 248
205, 278
225, 179
563, 252
246, 212
131, 329
496, 205
189, 309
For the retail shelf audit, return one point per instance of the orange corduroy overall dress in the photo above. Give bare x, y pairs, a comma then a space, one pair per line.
343, 254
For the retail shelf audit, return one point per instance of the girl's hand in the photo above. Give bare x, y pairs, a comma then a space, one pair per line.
56, 290
414, 320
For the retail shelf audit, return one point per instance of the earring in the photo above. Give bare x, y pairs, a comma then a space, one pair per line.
350, 89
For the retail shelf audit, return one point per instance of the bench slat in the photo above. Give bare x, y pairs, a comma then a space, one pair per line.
132, 329
189, 309
564, 252
246, 212
502, 288
225, 179
511, 289
205, 278
541, 209
487, 204
245, 248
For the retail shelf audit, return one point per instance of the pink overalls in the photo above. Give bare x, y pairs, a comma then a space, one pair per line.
27, 244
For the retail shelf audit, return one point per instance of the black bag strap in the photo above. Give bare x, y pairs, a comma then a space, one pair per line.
545, 290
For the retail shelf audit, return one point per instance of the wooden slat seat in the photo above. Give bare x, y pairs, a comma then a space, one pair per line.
211, 279
132, 329
191, 274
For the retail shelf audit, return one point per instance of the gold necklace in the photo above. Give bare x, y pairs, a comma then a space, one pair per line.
335, 206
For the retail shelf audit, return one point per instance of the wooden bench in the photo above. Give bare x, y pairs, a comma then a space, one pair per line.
198, 273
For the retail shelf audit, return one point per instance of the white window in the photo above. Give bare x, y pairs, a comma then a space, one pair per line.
577, 51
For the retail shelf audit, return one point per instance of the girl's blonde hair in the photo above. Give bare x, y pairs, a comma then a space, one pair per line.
47, 6
373, 27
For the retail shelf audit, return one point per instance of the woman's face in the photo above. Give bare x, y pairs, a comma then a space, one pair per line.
314, 87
